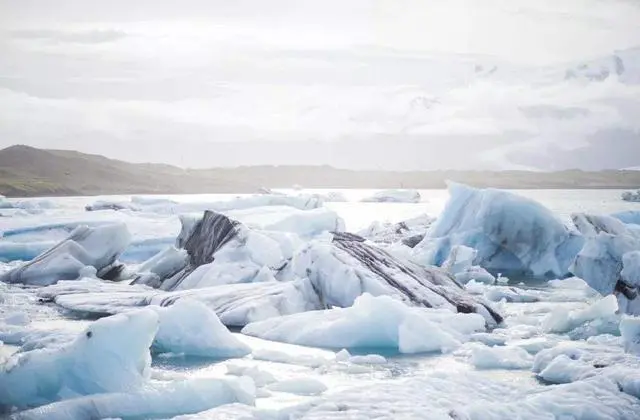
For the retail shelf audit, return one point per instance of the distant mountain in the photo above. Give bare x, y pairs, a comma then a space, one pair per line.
27, 171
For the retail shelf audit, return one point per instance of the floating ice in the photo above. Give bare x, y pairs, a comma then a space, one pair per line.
372, 322
499, 357
630, 332
410, 231
156, 400
191, 328
219, 251
98, 247
632, 196
112, 355
165, 206
601, 261
512, 234
394, 196
309, 223
235, 304
628, 217
301, 386
346, 267
563, 321
577, 361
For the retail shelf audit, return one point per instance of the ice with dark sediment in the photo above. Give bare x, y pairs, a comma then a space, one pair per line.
608, 259
97, 247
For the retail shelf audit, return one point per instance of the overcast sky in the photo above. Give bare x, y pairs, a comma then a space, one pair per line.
386, 84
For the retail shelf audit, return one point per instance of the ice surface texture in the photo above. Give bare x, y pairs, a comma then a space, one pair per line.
512, 234
373, 322
98, 247
610, 261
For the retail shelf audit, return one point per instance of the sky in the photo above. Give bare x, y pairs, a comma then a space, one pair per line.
377, 84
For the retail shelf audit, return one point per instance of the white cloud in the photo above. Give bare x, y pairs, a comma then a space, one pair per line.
477, 84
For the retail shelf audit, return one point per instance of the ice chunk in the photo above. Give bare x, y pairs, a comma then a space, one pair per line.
394, 196
309, 223
475, 273
630, 331
156, 400
601, 262
512, 234
161, 266
499, 357
584, 400
219, 251
631, 268
632, 196
577, 361
300, 386
97, 246
410, 231
591, 225
628, 217
372, 322
346, 267
111, 205
112, 355
165, 206
191, 328
460, 259
562, 321
367, 359
235, 304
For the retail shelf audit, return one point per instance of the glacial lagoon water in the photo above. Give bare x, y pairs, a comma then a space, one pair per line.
445, 381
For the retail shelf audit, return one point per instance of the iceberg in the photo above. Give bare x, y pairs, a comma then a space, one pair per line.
235, 304
579, 361
513, 234
155, 400
309, 223
394, 196
166, 206
372, 322
189, 327
219, 250
632, 196
410, 232
347, 266
609, 245
111, 355
98, 247
628, 217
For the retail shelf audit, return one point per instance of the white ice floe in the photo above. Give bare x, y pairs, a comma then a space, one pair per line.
410, 232
189, 327
301, 386
498, 357
632, 196
165, 206
235, 304
601, 262
630, 332
628, 217
394, 196
155, 400
601, 312
111, 355
98, 247
309, 223
372, 322
512, 234
581, 360
345, 267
